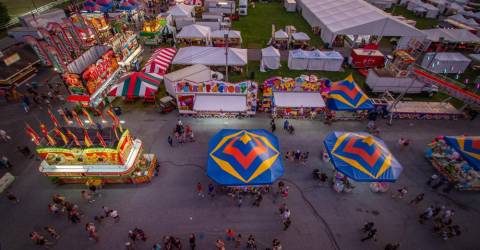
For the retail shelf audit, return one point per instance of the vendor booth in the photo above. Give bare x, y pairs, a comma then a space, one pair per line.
280, 39
136, 84
348, 100
314, 60
299, 84
457, 158
212, 56
85, 154
228, 166
127, 49
300, 40
159, 62
233, 36
100, 25
455, 40
297, 104
152, 30
446, 62
366, 58
90, 76
216, 98
361, 157
270, 59
194, 73
194, 35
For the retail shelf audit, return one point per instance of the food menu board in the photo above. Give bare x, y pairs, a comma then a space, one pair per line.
96, 74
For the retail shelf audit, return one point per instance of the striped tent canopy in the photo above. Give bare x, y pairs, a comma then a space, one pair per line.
160, 61
346, 95
125, 5
136, 84
468, 147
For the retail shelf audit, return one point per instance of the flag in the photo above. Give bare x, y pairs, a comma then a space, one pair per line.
53, 118
88, 142
33, 134
49, 138
77, 118
64, 116
74, 137
101, 115
115, 131
115, 119
89, 118
100, 138
62, 135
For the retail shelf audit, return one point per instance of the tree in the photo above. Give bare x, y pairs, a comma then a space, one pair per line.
4, 17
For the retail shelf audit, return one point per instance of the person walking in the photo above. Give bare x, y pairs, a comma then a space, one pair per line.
401, 193
239, 200
286, 224
274, 127
91, 231
107, 211
114, 214
371, 235
238, 240
392, 246
417, 199
258, 200
426, 215
251, 244
220, 244
53, 233
87, 196
286, 125
211, 190
286, 214
192, 242
170, 141
12, 198
200, 189
276, 244
432, 180
230, 235
367, 227
4, 136
6, 162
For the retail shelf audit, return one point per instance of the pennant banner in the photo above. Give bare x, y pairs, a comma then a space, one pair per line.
88, 141
35, 137
77, 119
61, 135
53, 118
74, 137
100, 138
89, 117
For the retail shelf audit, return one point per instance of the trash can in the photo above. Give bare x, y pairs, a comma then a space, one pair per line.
117, 110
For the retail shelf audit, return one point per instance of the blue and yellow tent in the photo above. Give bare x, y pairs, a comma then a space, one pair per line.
468, 147
362, 157
244, 157
347, 96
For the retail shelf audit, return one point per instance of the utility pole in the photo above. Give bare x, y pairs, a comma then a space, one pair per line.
226, 55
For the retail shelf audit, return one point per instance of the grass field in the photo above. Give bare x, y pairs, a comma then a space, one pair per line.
256, 27
422, 23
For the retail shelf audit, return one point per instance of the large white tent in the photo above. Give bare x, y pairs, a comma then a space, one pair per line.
270, 58
280, 34
354, 17
315, 60
446, 62
231, 34
300, 36
194, 73
195, 31
451, 35
210, 56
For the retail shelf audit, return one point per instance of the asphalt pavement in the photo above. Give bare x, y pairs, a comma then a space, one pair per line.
169, 205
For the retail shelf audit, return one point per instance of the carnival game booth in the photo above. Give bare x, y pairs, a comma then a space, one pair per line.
194, 35
159, 62
233, 36
300, 84
280, 39
348, 101
156, 30
457, 158
135, 85
216, 98
99, 23
366, 58
194, 73
315, 60
270, 59
127, 49
297, 104
90, 156
90, 76
228, 166
213, 57
446, 62
361, 157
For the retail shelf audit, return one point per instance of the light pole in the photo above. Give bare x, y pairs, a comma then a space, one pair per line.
225, 36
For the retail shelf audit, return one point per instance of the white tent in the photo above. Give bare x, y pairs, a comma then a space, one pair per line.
280, 34
315, 60
290, 5
297, 60
298, 100
231, 34
300, 36
353, 17
220, 103
270, 58
195, 31
210, 56
446, 62
451, 35
194, 73
181, 10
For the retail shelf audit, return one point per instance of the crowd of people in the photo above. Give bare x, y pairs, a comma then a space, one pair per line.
182, 134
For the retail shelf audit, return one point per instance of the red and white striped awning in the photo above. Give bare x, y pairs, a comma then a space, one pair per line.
160, 61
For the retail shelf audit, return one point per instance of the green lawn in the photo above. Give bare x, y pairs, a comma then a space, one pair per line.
256, 27
422, 23
260, 77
